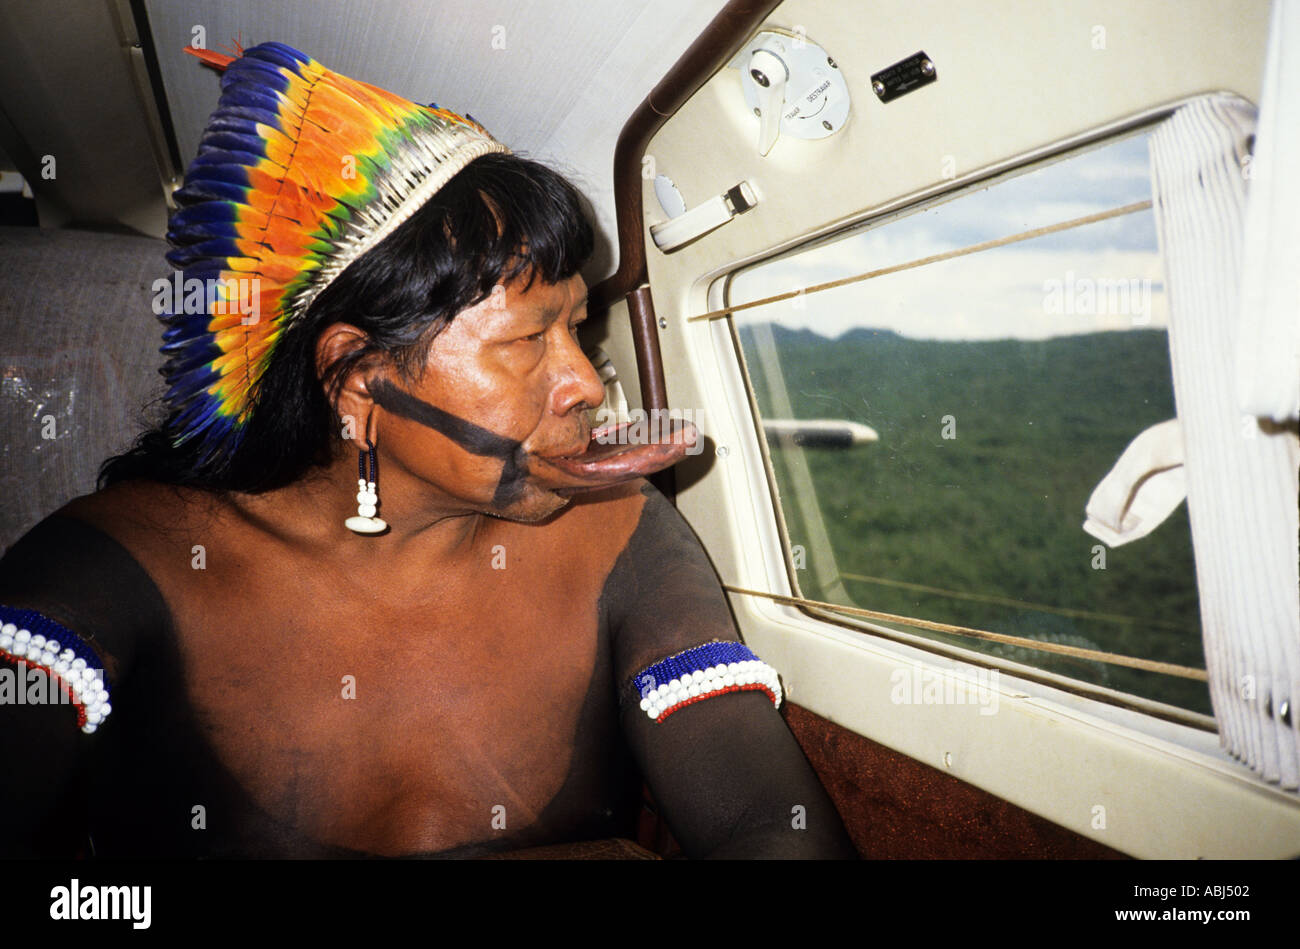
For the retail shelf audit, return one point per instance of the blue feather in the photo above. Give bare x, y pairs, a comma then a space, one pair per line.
196, 416
245, 71
234, 141
246, 113
213, 212
220, 156
279, 54
189, 382
197, 233
202, 190
190, 358
235, 175
258, 97
203, 270
221, 248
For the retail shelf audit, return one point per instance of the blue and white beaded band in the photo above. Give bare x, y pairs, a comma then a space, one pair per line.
27, 637
703, 672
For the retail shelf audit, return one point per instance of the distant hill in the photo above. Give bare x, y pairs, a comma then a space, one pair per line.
996, 511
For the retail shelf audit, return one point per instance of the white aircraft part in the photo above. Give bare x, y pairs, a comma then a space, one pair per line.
1268, 347
1146, 485
1241, 478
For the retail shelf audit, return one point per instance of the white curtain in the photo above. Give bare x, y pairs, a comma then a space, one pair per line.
1268, 351
1241, 470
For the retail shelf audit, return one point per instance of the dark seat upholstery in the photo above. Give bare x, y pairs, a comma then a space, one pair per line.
79, 354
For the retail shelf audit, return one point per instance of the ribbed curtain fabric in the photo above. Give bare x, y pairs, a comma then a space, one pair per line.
1241, 470
1268, 353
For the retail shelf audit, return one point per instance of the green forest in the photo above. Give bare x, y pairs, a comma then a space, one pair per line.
994, 511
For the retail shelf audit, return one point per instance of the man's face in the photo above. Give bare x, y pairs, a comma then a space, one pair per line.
506, 386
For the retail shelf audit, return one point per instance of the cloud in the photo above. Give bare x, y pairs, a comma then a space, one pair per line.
1102, 276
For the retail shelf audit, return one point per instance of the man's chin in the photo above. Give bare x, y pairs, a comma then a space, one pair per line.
539, 505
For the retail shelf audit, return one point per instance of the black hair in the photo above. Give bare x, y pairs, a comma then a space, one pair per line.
500, 218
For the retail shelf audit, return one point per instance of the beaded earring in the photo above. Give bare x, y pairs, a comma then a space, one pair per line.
365, 522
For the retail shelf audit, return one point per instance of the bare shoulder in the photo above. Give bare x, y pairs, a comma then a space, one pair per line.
595, 528
140, 515
613, 512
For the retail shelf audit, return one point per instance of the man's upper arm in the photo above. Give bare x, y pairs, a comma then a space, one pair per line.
724, 768
67, 585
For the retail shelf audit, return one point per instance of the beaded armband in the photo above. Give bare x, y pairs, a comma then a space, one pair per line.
703, 672
32, 641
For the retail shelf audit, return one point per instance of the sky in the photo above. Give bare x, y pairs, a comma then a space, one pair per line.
1104, 276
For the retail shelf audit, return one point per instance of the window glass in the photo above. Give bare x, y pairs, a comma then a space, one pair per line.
988, 396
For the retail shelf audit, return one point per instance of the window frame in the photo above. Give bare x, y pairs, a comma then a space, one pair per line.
867, 626
827, 661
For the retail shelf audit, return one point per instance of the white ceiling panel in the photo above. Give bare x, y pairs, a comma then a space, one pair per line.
553, 79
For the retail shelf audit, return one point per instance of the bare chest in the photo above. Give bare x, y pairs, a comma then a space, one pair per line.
396, 719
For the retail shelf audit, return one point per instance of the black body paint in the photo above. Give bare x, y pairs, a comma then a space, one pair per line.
473, 438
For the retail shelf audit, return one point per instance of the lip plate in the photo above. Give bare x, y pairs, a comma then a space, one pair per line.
610, 458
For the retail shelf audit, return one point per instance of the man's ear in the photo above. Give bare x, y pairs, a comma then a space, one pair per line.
336, 343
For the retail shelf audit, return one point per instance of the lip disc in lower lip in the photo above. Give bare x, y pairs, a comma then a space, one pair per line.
612, 456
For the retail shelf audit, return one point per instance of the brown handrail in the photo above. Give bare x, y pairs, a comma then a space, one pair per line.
736, 22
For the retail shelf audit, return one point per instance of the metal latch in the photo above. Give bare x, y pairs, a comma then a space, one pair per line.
698, 221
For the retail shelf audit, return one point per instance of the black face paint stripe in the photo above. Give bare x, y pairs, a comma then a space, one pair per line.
473, 438
511, 484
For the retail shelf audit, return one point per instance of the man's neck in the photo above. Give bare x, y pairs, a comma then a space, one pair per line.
310, 514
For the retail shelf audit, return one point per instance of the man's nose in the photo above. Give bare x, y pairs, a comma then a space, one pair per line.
578, 386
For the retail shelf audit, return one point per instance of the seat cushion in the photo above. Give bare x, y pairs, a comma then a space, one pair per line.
79, 356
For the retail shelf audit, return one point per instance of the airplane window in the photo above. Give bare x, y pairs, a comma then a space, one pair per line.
936, 431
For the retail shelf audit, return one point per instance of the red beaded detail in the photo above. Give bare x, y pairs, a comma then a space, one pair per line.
62, 683
751, 687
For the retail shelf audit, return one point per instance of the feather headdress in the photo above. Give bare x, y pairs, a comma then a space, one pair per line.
300, 171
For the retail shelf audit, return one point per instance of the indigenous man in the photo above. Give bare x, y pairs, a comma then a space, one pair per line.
278, 652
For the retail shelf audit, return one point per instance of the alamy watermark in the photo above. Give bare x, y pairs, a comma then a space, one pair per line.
28, 683
236, 296
647, 428
87, 901
1098, 296
916, 685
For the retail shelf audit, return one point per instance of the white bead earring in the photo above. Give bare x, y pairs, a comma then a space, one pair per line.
365, 522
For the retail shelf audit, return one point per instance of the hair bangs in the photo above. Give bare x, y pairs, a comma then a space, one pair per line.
514, 219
